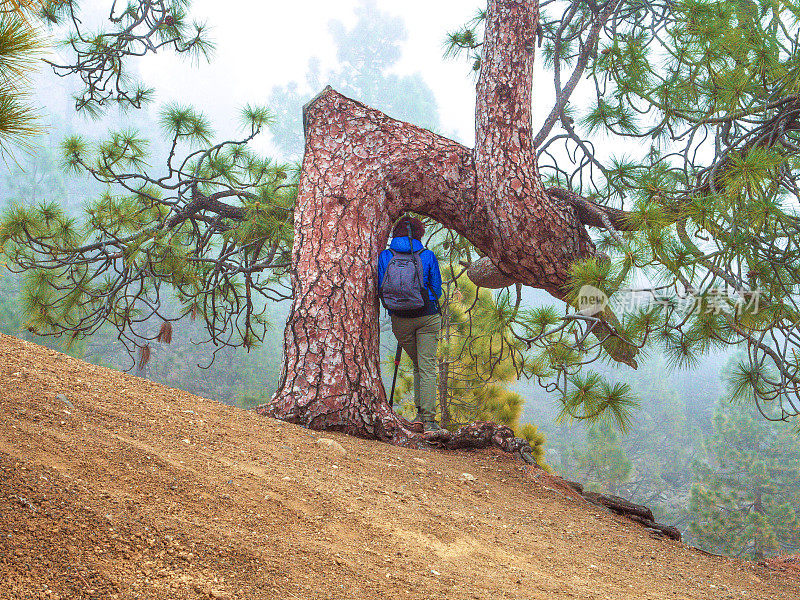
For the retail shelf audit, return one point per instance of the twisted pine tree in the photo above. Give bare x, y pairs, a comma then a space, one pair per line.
702, 94
362, 169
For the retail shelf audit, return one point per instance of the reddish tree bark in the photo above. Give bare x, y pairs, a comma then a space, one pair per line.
534, 236
360, 172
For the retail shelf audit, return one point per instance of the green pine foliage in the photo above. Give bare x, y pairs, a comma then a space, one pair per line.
604, 463
101, 58
127, 255
21, 47
702, 98
747, 500
663, 440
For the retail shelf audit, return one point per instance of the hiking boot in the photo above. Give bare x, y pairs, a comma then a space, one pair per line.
415, 424
430, 426
416, 427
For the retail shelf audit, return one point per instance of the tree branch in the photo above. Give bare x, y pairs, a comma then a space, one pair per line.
563, 95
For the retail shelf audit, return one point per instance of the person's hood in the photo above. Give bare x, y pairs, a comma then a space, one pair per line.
400, 244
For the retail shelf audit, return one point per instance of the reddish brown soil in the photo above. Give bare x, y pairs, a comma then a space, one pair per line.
139, 491
788, 564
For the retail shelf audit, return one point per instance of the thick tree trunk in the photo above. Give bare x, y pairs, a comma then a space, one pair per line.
535, 237
360, 172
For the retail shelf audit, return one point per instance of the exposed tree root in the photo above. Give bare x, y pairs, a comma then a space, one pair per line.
481, 434
668, 530
635, 512
620, 505
391, 428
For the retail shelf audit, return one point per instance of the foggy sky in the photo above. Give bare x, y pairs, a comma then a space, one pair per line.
263, 44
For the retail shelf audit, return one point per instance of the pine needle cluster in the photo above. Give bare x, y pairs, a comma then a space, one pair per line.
103, 60
22, 44
211, 235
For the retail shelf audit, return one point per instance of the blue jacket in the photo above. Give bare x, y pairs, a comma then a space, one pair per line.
431, 276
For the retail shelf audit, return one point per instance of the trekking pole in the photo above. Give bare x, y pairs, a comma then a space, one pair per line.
394, 379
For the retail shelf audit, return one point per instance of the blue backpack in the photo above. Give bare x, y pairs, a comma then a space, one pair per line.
402, 290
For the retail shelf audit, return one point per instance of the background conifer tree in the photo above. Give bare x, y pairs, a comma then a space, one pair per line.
604, 464
747, 501
366, 54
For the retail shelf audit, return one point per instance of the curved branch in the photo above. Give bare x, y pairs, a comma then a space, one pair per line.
595, 215
200, 202
563, 95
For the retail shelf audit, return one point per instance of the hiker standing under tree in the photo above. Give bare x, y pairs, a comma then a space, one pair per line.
409, 285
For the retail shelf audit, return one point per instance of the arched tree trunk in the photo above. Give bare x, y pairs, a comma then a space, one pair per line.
360, 172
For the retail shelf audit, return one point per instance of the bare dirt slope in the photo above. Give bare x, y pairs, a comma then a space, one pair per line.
132, 490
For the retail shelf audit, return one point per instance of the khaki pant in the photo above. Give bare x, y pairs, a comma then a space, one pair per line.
418, 336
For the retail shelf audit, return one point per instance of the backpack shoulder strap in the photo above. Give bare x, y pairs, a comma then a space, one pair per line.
428, 288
